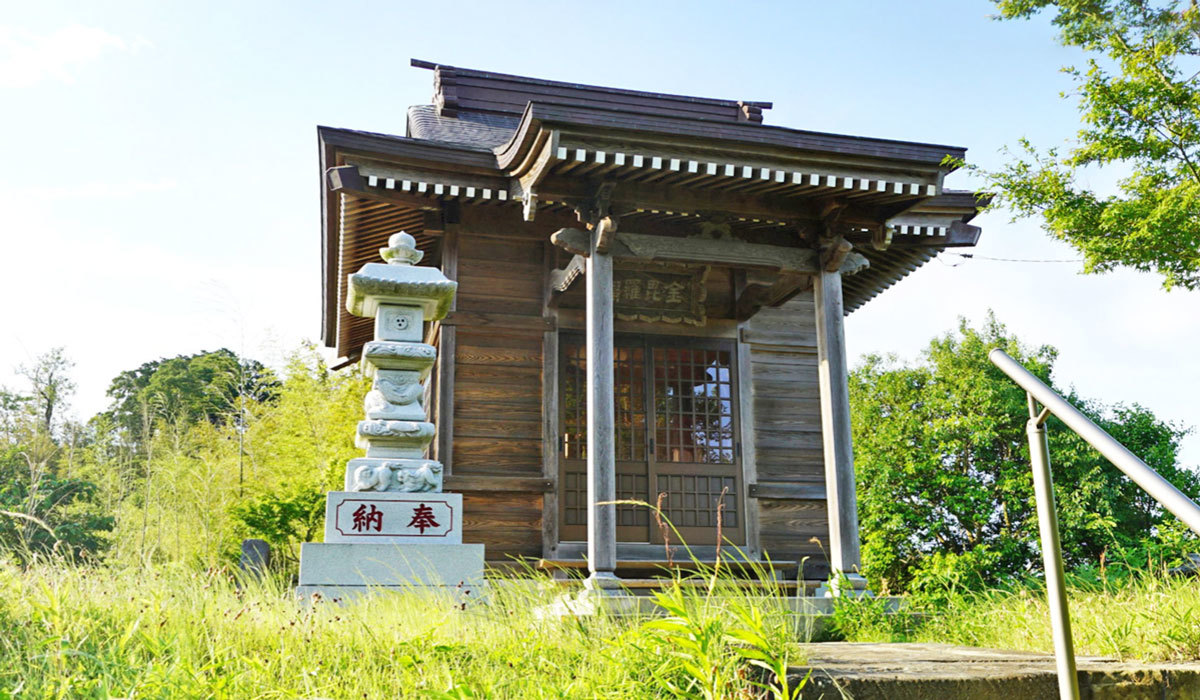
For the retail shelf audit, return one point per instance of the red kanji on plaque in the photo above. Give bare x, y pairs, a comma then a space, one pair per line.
364, 519
423, 518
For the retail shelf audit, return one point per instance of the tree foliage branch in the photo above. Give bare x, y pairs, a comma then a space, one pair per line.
1139, 99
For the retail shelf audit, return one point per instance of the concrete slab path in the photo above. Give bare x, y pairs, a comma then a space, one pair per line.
943, 671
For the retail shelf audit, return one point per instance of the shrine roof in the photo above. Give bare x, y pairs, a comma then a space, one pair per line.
497, 140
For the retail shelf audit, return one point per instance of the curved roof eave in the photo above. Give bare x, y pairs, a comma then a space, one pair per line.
737, 135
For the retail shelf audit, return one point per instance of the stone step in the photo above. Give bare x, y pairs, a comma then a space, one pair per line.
781, 567
911, 671
652, 584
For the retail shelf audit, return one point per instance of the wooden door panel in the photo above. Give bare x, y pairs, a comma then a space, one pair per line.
676, 437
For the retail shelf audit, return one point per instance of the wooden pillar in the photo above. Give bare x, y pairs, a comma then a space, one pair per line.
447, 351
835, 429
550, 418
601, 452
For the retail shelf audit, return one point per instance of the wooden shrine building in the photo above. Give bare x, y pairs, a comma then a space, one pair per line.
651, 296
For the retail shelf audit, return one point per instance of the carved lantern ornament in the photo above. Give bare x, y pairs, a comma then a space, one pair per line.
401, 297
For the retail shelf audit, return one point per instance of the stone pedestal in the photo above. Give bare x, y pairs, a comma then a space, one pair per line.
346, 570
392, 528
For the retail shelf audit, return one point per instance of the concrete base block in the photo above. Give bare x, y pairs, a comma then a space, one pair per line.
455, 596
589, 602
362, 565
810, 613
853, 585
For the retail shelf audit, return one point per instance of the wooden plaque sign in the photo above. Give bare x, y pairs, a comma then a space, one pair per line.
670, 293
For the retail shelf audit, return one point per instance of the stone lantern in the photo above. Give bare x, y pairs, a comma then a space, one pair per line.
392, 526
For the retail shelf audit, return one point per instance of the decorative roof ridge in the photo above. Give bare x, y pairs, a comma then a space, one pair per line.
528, 80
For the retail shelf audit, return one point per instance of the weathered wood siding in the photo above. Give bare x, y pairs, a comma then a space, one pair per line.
787, 431
498, 391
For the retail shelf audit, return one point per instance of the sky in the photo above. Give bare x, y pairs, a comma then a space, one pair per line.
159, 188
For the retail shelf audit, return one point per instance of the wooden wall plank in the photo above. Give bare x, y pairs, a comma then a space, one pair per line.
491, 451
768, 440
478, 299
502, 375
500, 392
490, 268
487, 339
507, 524
788, 528
518, 410
498, 427
500, 250
498, 409
488, 483
502, 356
787, 432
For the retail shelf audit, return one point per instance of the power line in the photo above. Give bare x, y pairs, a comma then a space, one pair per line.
973, 256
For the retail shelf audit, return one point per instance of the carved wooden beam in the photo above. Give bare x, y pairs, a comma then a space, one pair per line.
834, 254
561, 280
963, 234
346, 179
881, 237
529, 202
528, 182
640, 195
573, 240
958, 235
768, 290
829, 211
705, 251
604, 231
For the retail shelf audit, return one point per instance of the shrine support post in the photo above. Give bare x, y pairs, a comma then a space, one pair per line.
845, 562
601, 456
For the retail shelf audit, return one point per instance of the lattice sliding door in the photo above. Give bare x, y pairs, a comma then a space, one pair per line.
676, 428
696, 462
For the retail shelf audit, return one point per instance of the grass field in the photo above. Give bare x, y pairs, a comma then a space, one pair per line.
160, 632
163, 632
1147, 616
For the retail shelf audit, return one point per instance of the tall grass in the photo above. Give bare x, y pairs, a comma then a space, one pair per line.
68, 631
1145, 615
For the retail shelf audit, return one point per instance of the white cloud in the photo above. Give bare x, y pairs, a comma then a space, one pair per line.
27, 58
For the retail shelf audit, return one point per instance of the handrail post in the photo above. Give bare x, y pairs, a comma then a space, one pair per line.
1056, 589
1163, 491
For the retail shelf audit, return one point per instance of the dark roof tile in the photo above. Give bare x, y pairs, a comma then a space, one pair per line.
468, 129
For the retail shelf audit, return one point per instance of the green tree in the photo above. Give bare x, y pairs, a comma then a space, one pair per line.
299, 450
51, 385
44, 507
943, 465
205, 386
1139, 97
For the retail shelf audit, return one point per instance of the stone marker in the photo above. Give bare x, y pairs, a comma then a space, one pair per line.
256, 557
392, 527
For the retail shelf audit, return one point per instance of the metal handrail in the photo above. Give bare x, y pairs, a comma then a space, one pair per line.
1149, 480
